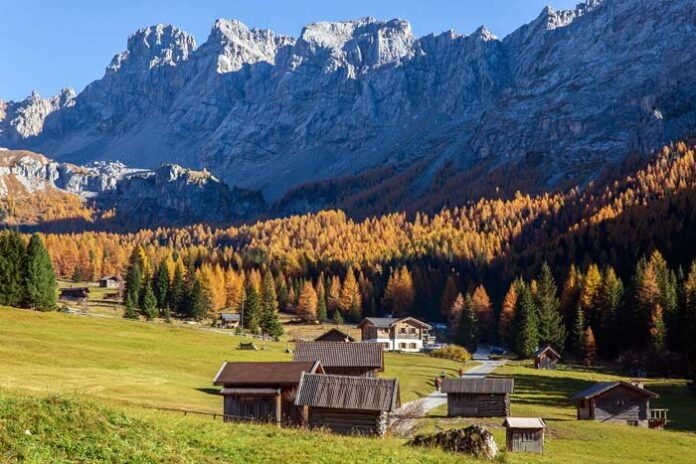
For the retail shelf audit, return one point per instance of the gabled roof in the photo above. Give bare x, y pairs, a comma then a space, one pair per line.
344, 392
264, 374
546, 349
603, 387
334, 333
233, 317
388, 322
332, 354
487, 385
524, 423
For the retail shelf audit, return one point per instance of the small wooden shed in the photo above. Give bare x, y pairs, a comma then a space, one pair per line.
355, 359
110, 282
524, 434
334, 335
229, 320
488, 397
620, 402
74, 293
263, 391
348, 405
546, 358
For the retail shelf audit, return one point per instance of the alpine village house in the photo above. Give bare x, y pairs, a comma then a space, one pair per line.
263, 391
396, 334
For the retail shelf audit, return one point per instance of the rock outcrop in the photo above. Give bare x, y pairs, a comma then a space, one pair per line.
572, 91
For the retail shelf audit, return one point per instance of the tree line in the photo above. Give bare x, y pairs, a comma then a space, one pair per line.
27, 278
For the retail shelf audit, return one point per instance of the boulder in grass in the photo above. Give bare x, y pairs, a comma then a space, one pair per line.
474, 440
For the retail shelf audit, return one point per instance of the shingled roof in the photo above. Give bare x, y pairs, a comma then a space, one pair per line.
487, 385
344, 392
524, 423
545, 349
264, 374
333, 354
336, 335
387, 322
602, 387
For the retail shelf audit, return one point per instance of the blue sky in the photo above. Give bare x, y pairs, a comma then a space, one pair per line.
47, 44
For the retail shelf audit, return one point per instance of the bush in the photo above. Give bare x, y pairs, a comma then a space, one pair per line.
453, 352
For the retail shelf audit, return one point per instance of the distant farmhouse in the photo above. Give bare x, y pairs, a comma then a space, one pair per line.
488, 397
546, 358
229, 320
353, 359
349, 405
524, 434
74, 293
334, 335
263, 391
396, 334
620, 402
110, 282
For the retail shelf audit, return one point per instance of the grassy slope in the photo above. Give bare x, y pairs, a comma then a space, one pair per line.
545, 394
147, 364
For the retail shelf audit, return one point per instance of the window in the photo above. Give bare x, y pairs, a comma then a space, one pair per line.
411, 346
385, 345
620, 402
402, 346
412, 330
402, 330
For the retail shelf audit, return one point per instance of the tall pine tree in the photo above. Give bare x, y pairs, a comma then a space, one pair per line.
527, 336
12, 268
40, 278
551, 327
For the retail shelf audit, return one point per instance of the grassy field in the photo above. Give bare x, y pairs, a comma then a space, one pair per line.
151, 364
545, 394
109, 372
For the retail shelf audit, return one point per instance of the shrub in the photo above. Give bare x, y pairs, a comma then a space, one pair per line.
453, 352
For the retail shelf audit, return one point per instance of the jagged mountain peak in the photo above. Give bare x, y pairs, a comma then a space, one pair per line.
153, 46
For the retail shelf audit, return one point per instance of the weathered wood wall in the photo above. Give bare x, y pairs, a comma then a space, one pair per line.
525, 440
348, 421
546, 362
478, 405
258, 408
621, 405
352, 371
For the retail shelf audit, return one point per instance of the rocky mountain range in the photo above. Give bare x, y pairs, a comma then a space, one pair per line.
567, 96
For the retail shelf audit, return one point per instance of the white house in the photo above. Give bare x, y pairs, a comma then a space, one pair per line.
396, 334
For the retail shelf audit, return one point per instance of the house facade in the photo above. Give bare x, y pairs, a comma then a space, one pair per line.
348, 405
619, 402
396, 334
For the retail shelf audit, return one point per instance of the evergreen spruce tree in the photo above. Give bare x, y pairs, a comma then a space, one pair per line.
467, 329
551, 327
199, 303
150, 310
161, 285
130, 312
610, 301
337, 318
527, 337
252, 308
177, 291
578, 335
41, 289
12, 269
269, 322
134, 278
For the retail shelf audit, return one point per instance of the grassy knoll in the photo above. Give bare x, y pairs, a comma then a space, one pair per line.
40, 429
545, 394
146, 363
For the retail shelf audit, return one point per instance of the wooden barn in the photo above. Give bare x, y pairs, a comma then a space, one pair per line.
620, 402
354, 359
334, 335
348, 405
229, 320
524, 434
263, 391
110, 282
546, 358
74, 293
489, 397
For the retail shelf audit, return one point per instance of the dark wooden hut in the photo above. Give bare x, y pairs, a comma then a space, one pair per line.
524, 434
334, 335
489, 397
74, 293
263, 391
546, 358
229, 320
348, 405
620, 402
355, 359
